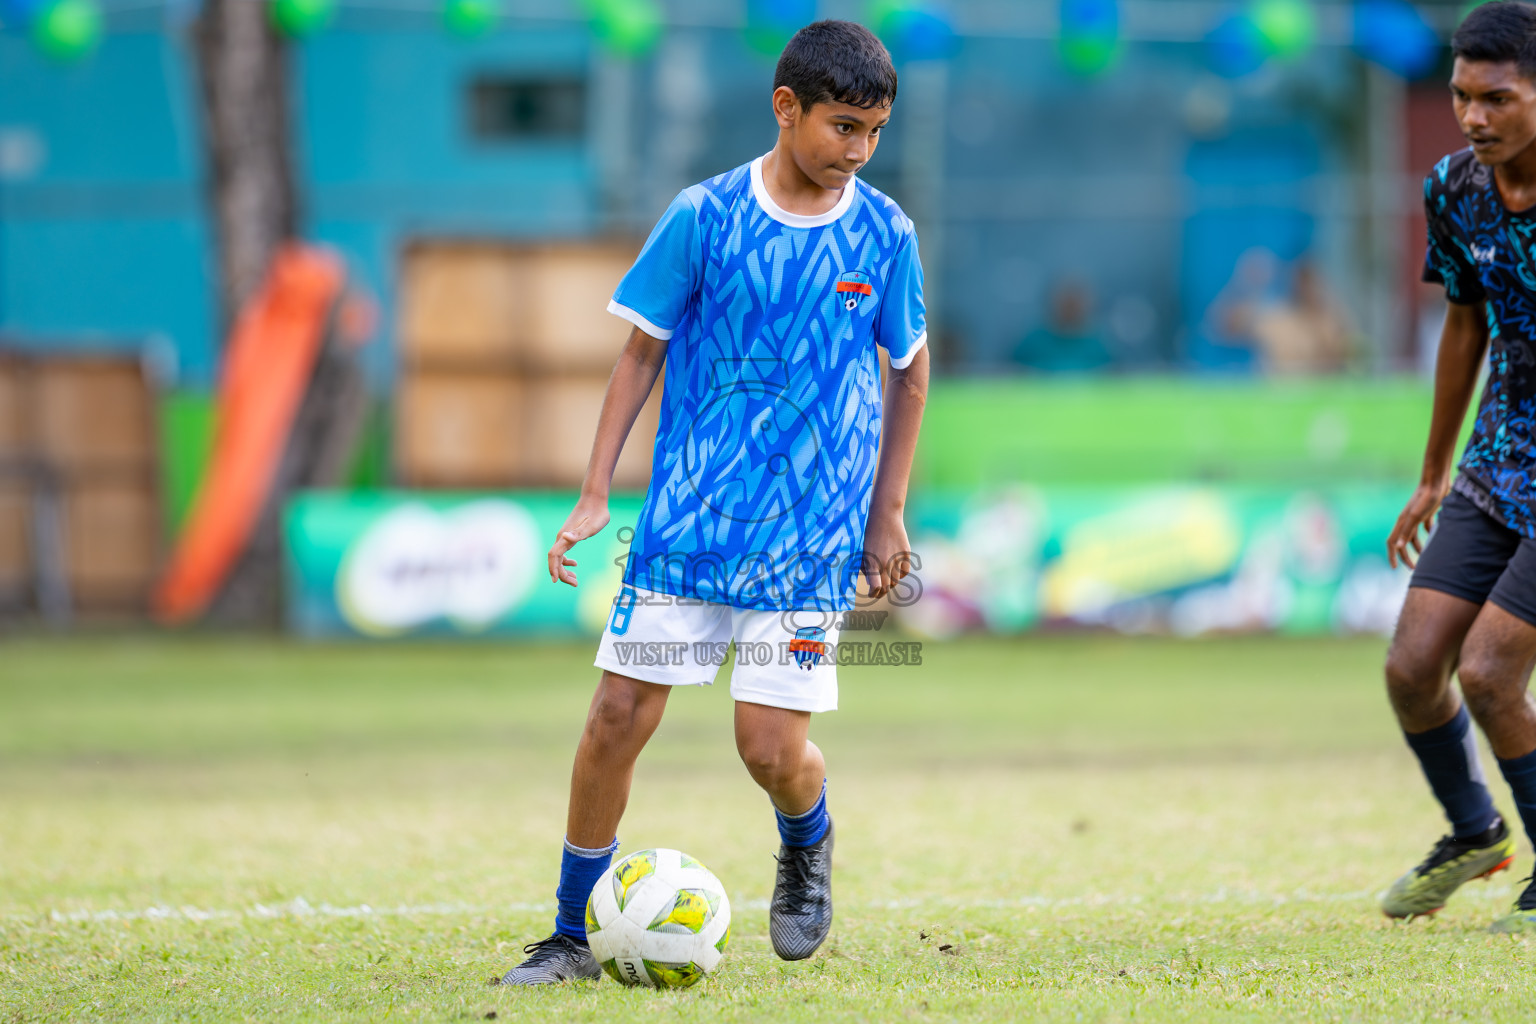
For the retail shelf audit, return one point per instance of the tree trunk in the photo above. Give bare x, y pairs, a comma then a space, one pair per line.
244, 71
244, 64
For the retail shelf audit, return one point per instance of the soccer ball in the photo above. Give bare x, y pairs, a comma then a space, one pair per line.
658, 918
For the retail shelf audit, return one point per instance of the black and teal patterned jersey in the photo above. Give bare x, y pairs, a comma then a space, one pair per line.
770, 412
1483, 253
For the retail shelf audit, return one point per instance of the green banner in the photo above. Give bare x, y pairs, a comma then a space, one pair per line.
382, 564
1187, 560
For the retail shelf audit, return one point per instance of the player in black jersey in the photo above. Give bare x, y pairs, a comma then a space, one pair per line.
1471, 606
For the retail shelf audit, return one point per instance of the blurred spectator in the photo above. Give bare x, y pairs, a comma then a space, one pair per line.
1283, 331
1306, 332
1231, 320
1069, 342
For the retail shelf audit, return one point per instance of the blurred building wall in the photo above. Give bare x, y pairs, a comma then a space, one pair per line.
102, 230
1143, 186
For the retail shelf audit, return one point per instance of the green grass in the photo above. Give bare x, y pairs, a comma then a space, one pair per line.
1100, 829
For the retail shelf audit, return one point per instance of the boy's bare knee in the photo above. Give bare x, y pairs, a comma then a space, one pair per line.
1487, 684
617, 708
769, 763
1413, 679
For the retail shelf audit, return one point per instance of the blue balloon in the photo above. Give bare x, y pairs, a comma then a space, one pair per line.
1095, 18
1395, 35
1235, 47
771, 23
782, 14
20, 12
921, 33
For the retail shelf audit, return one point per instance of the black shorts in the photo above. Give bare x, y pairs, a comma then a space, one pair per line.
1473, 556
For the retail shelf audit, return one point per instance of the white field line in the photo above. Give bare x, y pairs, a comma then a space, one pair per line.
302, 908
299, 907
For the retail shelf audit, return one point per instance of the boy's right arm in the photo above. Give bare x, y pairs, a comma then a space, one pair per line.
1463, 342
630, 385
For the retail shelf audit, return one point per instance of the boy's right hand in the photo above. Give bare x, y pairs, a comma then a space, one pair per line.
1419, 514
588, 517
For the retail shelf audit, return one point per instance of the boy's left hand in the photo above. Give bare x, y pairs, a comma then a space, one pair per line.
887, 553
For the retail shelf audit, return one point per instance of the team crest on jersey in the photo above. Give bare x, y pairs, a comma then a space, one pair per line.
852, 288
809, 645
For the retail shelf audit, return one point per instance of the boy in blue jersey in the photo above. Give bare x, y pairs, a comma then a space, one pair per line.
1471, 605
765, 293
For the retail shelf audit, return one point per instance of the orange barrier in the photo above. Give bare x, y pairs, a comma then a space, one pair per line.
267, 368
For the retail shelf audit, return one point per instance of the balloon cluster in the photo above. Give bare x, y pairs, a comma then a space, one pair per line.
771, 23
1395, 35
1391, 33
65, 30
299, 18
470, 19
1244, 42
1090, 35
913, 29
627, 28
1234, 47
1287, 27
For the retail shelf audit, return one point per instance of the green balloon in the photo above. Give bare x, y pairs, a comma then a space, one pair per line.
629, 28
1089, 54
471, 18
882, 13
68, 30
1287, 27
299, 18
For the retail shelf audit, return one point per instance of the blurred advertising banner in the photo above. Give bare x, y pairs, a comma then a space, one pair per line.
1184, 560
380, 564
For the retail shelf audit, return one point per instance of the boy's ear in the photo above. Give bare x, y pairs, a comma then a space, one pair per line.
786, 106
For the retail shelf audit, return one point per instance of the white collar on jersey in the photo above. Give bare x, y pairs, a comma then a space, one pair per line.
796, 220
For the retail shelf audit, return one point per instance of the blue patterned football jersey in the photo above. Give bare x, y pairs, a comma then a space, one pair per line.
770, 415
1481, 252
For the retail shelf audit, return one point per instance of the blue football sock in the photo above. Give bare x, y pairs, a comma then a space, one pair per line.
1520, 773
808, 828
579, 871
1448, 755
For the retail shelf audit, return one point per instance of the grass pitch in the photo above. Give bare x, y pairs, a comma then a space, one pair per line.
1062, 828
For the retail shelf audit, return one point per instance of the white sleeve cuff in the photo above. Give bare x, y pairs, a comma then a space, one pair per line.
906, 360
625, 313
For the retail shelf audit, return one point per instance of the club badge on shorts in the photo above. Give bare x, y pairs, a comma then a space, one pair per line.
853, 286
808, 646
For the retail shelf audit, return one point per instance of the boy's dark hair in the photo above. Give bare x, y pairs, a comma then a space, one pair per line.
837, 62
1499, 32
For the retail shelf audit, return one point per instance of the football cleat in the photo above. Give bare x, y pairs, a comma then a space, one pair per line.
1450, 865
1523, 917
557, 958
800, 915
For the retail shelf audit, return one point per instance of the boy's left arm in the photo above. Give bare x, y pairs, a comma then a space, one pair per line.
887, 554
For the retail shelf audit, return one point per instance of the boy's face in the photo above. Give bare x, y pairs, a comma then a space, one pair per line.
1495, 107
829, 141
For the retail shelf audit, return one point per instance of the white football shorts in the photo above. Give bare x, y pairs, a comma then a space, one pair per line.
784, 659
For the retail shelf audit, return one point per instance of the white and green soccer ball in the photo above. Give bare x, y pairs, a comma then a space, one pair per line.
658, 918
